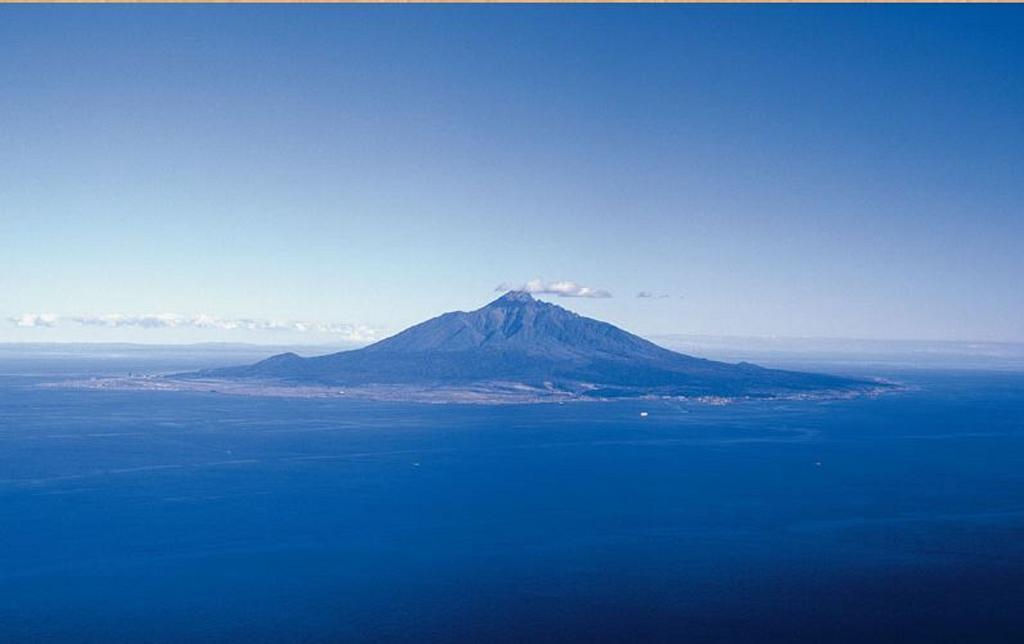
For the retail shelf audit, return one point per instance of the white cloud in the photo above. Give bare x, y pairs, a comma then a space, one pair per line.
28, 320
147, 321
353, 332
561, 288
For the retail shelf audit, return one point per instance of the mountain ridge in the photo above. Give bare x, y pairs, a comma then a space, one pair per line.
529, 343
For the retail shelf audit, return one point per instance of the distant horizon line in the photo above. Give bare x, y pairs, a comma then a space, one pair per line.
668, 336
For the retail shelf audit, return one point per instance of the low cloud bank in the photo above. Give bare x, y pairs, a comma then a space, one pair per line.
30, 320
354, 332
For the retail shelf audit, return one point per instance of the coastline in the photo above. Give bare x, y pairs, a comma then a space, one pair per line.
485, 393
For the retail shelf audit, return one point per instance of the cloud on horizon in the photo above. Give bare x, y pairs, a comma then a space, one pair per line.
33, 320
354, 332
561, 288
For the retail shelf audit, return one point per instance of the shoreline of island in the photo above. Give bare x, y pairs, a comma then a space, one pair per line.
484, 393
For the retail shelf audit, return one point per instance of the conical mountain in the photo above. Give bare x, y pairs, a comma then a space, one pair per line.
516, 322
518, 339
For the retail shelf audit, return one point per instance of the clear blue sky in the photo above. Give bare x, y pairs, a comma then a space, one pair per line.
845, 171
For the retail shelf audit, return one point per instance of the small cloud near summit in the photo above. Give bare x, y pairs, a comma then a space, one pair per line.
561, 288
651, 296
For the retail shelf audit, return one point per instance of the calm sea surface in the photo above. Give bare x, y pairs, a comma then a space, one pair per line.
172, 517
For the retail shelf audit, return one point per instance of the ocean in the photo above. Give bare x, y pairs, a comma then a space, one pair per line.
175, 516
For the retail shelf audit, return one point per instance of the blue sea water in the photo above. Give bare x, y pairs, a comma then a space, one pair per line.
173, 517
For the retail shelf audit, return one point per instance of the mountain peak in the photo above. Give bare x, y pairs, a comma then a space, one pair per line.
515, 297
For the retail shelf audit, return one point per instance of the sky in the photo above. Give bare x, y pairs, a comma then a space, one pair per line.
336, 173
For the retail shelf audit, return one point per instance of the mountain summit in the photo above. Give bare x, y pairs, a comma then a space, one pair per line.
518, 323
519, 341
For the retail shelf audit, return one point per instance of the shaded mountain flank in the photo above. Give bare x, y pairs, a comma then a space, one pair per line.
519, 343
